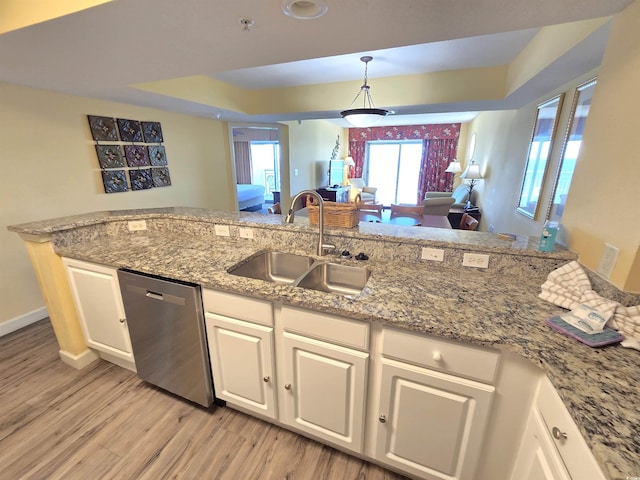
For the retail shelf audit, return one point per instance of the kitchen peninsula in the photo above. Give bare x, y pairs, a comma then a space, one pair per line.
495, 308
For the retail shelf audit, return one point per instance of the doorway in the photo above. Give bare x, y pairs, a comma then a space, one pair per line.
257, 161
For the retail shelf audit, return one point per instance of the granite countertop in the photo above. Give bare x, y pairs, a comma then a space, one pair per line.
598, 386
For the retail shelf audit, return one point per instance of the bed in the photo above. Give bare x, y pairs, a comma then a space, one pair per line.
250, 197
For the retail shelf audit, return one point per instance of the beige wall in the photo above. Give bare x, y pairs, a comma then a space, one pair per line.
606, 172
600, 204
311, 143
49, 169
502, 143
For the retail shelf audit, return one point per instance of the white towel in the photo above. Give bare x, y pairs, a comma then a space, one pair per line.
569, 287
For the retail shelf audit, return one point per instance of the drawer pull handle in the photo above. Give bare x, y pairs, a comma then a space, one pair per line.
122, 320
287, 386
382, 419
437, 357
558, 434
266, 379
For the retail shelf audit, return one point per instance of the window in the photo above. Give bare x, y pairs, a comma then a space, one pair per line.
537, 159
571, 148
394, 167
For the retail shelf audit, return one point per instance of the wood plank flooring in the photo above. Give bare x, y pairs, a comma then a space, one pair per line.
103, 422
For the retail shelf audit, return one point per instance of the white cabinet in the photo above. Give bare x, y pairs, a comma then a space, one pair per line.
538, 459
430, 423
96, 293
552, 447
324, 382
241, 352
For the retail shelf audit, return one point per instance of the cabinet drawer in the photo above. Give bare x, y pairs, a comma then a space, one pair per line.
338, 330
454, 358
238, 306
573, 449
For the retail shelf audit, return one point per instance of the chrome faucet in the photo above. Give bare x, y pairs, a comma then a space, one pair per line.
296, 204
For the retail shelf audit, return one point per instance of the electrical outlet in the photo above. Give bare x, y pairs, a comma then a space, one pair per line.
608, 260
477, 260
433, 254
136, 225
222, 230
245, 232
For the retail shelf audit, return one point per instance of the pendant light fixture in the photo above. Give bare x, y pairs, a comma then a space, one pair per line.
367, 115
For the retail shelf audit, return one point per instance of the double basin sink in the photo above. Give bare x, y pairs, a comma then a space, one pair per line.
304, 272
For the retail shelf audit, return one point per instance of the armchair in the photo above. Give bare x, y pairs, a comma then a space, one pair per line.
437, 206
460, 196
367, 194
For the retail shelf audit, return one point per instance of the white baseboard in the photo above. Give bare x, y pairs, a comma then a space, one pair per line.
17, 323
78, 361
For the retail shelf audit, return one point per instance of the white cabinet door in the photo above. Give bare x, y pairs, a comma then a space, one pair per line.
96, 293
323, 390
430, 424
242, 363
538, 458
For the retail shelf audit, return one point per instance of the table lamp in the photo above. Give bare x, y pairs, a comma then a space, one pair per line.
472, 175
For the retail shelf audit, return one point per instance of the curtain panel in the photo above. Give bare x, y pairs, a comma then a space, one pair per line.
440, 146
242, 154
436, 156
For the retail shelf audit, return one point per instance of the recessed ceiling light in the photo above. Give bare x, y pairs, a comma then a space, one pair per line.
304, 9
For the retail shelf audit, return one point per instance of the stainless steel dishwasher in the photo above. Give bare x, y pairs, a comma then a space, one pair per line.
166, 326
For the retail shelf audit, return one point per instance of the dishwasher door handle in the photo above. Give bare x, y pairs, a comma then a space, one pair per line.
154, 295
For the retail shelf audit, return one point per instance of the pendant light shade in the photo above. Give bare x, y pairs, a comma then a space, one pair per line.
368, 115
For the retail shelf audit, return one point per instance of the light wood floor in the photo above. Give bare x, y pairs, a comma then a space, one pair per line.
102, 422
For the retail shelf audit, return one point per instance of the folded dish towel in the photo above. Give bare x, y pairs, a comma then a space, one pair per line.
569, 287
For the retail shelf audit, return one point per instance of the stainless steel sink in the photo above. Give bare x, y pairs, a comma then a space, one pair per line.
335, 278
273, 267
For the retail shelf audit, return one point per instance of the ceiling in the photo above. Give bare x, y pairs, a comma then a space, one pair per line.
102, 51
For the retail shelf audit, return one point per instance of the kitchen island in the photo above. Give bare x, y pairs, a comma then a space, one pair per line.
495, 307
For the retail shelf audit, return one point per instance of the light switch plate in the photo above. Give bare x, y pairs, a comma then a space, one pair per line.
477, 260
608, 260
222, 230
245, 232
433, 254
136, 225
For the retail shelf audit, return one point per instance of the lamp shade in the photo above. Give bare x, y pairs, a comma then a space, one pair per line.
454, 167
348, 162
472, 172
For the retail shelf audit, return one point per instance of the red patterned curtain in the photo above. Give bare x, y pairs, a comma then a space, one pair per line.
436, 156
435, 152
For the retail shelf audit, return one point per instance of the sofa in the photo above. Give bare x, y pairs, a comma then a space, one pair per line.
367, 194
460, 195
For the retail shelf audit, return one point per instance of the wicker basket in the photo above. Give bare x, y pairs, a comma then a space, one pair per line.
335, 214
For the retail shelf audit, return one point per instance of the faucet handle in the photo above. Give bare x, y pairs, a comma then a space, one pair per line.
328, 246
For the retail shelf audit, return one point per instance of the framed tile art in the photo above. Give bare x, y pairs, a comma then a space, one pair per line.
136, 155
103, 129
152, 132
157, 156
131, 158
160, 177
130, 130
110, 156
114, 181
140, 179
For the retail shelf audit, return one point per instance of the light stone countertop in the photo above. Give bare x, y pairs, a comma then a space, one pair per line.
598, 386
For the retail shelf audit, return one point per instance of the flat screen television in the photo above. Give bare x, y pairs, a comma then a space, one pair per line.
336, 172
